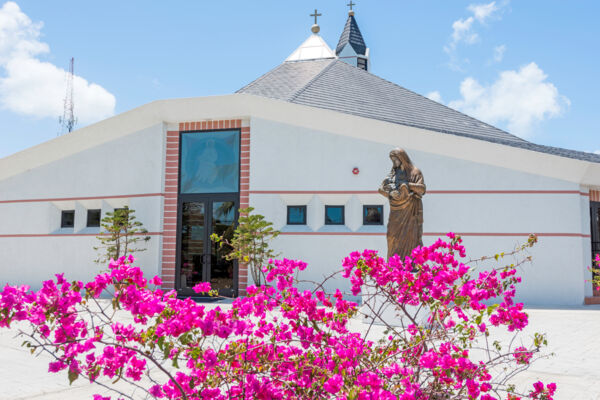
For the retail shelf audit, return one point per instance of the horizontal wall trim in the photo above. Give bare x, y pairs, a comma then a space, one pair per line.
441, 234
428, 192
123, 196
22, 235
120, 196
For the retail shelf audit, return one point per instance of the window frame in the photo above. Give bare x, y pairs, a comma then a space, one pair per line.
303, 207
87, 221
365, 206
181, 167
63, 213
360, 60
343, 207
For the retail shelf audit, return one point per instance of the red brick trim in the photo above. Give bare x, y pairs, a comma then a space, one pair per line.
171, 191
592, 300
440, 234
20, 235
594, 195
170, 208
118, 196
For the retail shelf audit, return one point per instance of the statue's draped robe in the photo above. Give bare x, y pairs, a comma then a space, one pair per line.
405, 224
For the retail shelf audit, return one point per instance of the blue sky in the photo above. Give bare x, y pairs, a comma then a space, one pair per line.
525, 66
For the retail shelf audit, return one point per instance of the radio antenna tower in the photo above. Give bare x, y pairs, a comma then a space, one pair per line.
68, 120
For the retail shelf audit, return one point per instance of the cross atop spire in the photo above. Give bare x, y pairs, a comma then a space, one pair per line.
316, 14
351, 12
315, 28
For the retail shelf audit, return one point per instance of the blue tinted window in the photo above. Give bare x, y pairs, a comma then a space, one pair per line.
373, 215
296, 215
93, 218
334, 215
210, 162
67, 219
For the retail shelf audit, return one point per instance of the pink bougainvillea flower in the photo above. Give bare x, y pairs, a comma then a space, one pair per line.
281, 341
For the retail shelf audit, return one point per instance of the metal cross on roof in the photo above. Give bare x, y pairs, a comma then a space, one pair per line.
351, 4
315, 15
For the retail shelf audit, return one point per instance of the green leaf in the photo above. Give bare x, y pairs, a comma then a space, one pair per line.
73, 375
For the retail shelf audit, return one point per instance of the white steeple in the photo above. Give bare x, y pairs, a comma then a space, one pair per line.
314, 47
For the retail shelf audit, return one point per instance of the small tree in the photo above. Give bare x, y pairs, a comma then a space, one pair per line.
250, 243
120, 234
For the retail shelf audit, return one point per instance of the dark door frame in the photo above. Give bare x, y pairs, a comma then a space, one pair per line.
208, 200
595, 226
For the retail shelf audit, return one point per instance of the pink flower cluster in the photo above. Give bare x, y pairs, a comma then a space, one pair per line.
522, 355
280, 342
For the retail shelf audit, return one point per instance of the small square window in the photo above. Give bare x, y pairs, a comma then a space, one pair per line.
93, 218
334, 215
296, 215
67, 219
361, 63
372, 215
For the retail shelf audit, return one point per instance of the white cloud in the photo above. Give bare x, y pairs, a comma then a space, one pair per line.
481, 12
499, 52
463, 29
37, 88
435, 96
518, 98
597, 152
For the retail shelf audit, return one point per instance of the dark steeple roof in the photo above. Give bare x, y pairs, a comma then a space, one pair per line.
335, 85
351, 35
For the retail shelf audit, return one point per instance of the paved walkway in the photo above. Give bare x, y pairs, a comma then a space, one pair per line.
573, 335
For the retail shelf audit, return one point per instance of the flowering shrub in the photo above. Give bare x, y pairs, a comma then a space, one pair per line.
280, 342
596, 271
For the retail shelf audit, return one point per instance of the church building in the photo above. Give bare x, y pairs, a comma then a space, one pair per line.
307, 146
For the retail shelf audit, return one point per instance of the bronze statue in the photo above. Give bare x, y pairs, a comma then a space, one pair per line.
404, 187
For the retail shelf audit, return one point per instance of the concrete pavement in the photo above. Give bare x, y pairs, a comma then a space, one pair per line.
573, 335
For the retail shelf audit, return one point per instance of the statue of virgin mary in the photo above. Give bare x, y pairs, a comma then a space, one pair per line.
404, 187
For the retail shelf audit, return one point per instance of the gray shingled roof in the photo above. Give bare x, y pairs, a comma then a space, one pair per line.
335, 85
351, 35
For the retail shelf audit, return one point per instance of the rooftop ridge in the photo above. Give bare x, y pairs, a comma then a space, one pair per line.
310, 82
441, 104
346, 65
257, 80
335, 85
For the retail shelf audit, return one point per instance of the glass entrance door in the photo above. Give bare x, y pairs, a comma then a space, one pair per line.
199, 259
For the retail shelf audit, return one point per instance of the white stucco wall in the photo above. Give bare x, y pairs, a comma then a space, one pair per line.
129, 165
291, 158
298, 148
